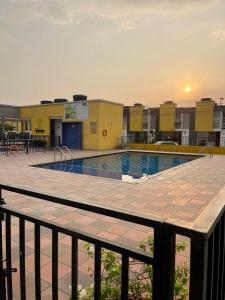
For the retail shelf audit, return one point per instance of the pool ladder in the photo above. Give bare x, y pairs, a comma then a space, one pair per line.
63, 153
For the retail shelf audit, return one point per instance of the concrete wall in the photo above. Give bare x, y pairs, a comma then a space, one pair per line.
111, 120
40, 116
136, 117
179, 148
107, 116
167, 117
91, 139
7, 111
204, 116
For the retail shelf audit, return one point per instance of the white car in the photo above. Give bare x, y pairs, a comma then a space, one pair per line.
166, 143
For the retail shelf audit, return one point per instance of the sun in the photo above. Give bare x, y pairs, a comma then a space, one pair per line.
187, 89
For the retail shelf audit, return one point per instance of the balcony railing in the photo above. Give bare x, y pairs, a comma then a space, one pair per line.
207, 261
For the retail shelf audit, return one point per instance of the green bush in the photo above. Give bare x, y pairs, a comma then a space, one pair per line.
140, 277
8, 127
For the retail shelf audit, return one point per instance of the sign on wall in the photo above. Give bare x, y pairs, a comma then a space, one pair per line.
76, 111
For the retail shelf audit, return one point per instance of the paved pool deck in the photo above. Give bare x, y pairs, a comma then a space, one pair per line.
183, 195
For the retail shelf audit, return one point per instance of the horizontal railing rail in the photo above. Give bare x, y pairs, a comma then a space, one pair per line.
82, 235
121, 214
76, 235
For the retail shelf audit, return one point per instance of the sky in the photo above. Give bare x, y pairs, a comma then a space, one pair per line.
127, 51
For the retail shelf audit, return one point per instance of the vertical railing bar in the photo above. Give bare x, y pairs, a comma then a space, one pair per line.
54, 265
167, 263
216, 261
97, 273
221, 259
210, 263
198, 269
2, 277
8, 257
22, 260
37, 262
223, 265
156, 269
74, 266
125, 277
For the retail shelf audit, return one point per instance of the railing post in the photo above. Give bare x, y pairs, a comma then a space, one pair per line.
198, 269
157, 263
2, 201
2, 276
167, 263
27, 146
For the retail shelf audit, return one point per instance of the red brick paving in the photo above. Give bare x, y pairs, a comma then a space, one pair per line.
179, 194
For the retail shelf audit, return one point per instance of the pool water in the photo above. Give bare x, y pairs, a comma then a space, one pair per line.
126, 166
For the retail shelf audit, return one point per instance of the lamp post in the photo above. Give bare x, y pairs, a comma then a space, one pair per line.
149, 125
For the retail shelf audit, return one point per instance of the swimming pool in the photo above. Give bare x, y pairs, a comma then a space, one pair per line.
126, 166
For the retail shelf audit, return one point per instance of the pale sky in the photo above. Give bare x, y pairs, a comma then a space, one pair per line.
122, 50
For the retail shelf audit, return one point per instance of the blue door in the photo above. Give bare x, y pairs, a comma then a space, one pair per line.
72, 135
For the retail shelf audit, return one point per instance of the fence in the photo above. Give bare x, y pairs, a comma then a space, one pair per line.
211, 141
21, 146
29, 145
207, 263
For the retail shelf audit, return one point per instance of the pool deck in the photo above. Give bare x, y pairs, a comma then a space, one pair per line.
188, 195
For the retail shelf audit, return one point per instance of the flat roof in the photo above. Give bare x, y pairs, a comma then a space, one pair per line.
90, 100
107, 101
7, 105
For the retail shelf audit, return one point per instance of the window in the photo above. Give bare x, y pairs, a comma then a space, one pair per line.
217, 120
93, 127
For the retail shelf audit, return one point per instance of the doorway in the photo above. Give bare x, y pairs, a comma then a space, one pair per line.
72, 135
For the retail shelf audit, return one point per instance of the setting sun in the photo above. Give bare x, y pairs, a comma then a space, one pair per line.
187, 89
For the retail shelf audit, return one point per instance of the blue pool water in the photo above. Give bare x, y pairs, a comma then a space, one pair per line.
126, 166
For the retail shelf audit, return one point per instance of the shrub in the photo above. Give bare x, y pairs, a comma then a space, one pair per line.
140, 279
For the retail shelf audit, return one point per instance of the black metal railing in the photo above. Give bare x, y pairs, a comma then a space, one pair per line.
207, 255
207, 141
21, 146
75, 234
33, 144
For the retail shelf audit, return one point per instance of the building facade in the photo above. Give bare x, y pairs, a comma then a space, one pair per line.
203, 124
100, 130
102, 123
99, 126
210, 122
10, 118
177, 124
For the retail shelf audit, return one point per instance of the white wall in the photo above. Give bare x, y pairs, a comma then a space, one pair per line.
222, 138
58, 129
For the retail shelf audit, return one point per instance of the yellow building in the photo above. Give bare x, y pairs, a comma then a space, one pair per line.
204, 115
136, 117
167, 116
99, 128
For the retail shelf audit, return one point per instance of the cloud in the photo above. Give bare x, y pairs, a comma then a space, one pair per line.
5, 40
218, 34
125, 13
